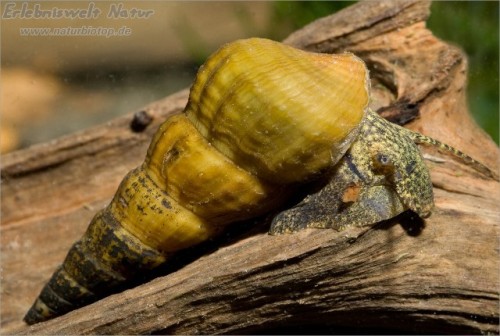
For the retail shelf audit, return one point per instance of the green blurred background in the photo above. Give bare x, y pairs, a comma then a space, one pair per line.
473, 25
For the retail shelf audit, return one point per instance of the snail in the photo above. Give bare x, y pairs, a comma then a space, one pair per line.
262, 118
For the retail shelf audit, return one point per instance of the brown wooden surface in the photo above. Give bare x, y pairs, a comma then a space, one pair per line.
440, 277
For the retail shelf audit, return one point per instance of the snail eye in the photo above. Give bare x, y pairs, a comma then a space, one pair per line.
383, 163
383, 160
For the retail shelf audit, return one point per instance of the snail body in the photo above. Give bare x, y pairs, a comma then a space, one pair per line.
381, 175
262, 118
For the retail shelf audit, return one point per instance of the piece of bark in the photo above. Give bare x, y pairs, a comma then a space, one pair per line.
441, 277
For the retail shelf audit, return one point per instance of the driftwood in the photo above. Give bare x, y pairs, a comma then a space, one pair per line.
437, 276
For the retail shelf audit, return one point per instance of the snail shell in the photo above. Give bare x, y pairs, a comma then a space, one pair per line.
278, 112
261, 118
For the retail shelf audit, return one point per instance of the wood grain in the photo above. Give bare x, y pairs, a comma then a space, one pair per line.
440, 276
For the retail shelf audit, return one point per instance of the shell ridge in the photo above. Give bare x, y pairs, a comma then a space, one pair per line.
211, 67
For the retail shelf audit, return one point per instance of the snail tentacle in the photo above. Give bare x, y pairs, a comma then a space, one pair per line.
445, 148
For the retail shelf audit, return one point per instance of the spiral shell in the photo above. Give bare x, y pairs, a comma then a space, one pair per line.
261, 118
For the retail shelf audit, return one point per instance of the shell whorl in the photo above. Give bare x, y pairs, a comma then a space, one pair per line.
261, 117
279, 112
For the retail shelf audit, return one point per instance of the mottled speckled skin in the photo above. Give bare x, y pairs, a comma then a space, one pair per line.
384, 174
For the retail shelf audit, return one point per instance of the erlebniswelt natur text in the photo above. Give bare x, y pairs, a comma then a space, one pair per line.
30, 10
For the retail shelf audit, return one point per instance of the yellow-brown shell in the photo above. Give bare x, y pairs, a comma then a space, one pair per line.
279, 112
261, 117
